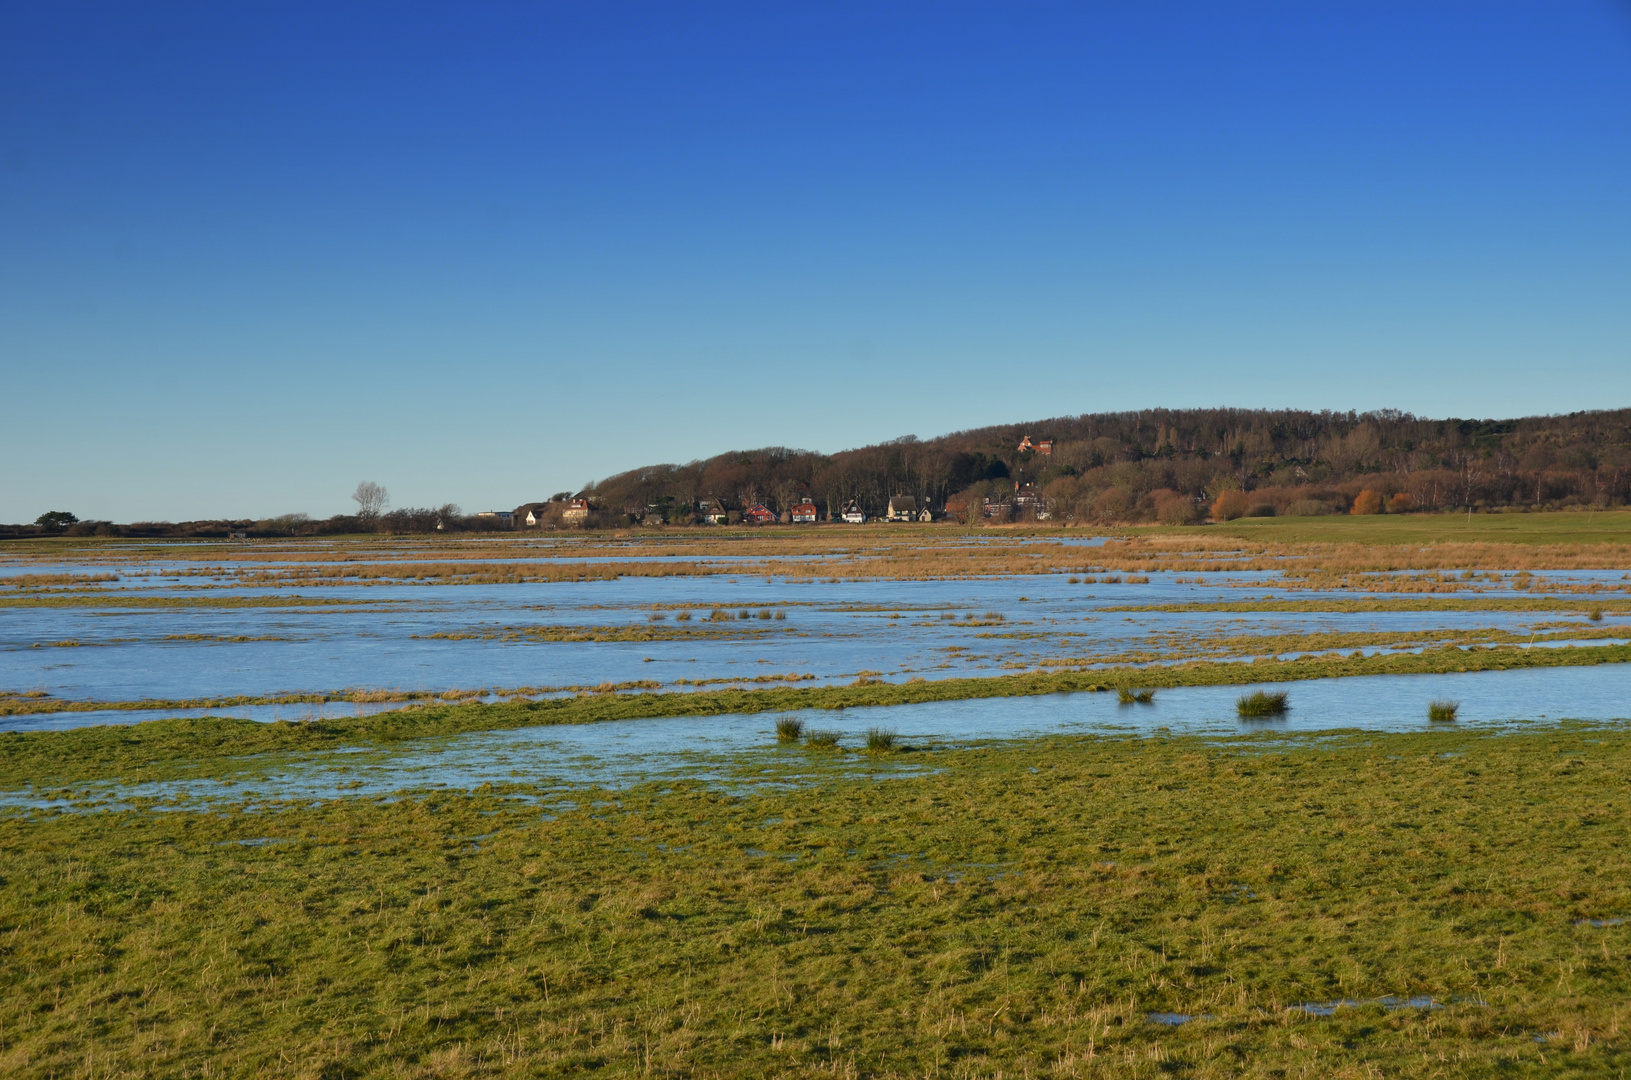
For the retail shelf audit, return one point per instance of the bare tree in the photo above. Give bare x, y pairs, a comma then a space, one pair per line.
371, 499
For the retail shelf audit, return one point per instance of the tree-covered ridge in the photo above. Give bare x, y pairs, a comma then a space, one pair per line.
1132, 465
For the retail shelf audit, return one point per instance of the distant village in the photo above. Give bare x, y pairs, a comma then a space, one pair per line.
565, 511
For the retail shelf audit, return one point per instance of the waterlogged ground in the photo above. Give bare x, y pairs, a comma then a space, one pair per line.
1052, 885
736, 753
1444, 902
174, 632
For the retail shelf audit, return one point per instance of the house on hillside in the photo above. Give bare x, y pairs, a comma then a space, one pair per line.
1040, 446
530, 513
903, 508
804, 513
1044, 447
853, 514
758, 514
576, 512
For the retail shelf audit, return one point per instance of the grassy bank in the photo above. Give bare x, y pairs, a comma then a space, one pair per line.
1023, 911
163, 749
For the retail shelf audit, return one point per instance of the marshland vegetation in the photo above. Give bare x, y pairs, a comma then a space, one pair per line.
1033, 906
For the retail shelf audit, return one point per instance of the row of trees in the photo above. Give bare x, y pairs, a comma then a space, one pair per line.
1128, 466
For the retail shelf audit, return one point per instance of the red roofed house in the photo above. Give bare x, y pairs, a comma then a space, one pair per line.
758, 514
804, 513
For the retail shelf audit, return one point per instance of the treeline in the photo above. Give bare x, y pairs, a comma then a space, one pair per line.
1174, 465
406, 520
1171, 464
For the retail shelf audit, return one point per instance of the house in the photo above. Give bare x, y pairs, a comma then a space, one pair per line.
1028, 502
758, 514
902, 508
576, 512
713, 511
1040, 446
1044, 447
504, 517
924, 515
1025, 444
853, 514
530, 513
804, 513
999, 510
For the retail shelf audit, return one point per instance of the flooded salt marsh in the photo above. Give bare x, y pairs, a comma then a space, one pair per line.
740, 752
437, 637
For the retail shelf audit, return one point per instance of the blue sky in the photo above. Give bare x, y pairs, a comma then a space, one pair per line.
253, 253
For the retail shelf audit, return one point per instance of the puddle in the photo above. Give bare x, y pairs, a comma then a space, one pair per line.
1172, 1019
1329, 1008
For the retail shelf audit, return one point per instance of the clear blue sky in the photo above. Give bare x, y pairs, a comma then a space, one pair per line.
253, 253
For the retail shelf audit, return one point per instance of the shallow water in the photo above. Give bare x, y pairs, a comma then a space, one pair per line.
833, 631
740, 751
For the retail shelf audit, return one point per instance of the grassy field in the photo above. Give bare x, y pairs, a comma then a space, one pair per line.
1023, 909
1602, 527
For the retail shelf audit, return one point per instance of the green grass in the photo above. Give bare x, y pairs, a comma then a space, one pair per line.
1126, 695
1442, 711
1571, 527
880, 740
1019, 910
789, 729
1263, 703
822, 739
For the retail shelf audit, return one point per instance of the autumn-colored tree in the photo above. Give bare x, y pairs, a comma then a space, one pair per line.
1401, 503
1230, 505
1368, 502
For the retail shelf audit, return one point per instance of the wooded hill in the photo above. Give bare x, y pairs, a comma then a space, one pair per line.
1170, 464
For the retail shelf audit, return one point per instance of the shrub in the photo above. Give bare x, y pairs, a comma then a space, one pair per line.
780, 614
1368, 502
1176, 510
880, 740
682, 616
766, 614
1307, 508
1442, 711
718, 615
1401, 503
818, 739
789, 729
1595, 614
1230, 505
1261, 510
1262, 703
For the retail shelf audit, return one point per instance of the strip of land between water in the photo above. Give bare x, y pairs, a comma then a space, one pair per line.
162, 748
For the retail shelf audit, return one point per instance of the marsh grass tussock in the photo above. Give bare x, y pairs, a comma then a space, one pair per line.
880, 740
1263, 703
1127, 695
822, 739
789, 729
1442, 710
